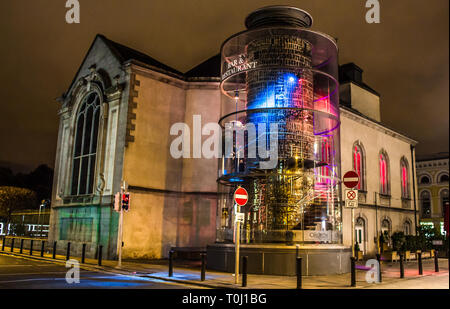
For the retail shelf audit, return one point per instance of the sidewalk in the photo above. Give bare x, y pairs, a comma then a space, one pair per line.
182, 274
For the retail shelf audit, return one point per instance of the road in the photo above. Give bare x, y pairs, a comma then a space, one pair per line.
21, 273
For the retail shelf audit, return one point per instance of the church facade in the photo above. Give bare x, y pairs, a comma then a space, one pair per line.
115, 121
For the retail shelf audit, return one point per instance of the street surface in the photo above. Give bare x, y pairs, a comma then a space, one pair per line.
20, 273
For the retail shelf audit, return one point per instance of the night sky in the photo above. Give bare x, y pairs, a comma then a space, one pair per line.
405, 58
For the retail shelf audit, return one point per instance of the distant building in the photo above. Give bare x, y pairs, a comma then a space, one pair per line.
433, 181
115, 121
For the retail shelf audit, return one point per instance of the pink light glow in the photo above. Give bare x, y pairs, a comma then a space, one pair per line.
357, 165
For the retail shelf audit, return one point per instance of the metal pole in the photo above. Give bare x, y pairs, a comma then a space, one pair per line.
12, 244
170, 263
299, 273
402, 268
244, 271
83, 253
380, 279
42, 248
31, 247
236, 258
54, 250
3, 243
203, 271
414, 186
436, 261
419, 260
353, 232
123, 189
353, 274
100, 249
68, 251
21, 246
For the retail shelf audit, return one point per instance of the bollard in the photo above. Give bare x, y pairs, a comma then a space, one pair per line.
100, 249
21, 246
12, 244
436, 261
353, 272
379, 267
419, 261
203, 271
68, 251
244, 271
3, 243
31, 246
83, 253
54, 250
402, 268
42, 248
170, 263
299, 273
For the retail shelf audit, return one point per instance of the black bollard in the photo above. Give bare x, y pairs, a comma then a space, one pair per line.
402, 268
353, 272
21, 246
100, 249
379, 267
436, 261
12, 244
170, 263
68, 251
203, 271
83, 253
419, 261
42, 248
244, 271
299, 273
3, 243
54, 250
31, 246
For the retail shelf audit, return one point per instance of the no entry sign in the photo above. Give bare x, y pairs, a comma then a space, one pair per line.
351, 179
240, 196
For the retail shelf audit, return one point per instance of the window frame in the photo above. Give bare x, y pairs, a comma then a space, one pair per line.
384, 189
404, 187
362, 174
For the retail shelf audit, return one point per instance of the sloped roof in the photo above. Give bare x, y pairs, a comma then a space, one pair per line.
208, 68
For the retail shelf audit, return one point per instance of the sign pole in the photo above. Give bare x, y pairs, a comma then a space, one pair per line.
120, 232
238, 238
353, 232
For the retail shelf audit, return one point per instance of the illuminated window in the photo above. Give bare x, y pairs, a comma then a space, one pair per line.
85, 147
358, 164
384, 174
404, 177
425, 201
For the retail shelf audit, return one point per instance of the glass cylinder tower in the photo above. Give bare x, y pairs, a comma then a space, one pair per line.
280, 117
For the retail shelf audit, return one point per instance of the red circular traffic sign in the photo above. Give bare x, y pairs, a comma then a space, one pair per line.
351, 179
240, 196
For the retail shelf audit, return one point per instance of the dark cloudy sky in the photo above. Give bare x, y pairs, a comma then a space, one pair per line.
405, 57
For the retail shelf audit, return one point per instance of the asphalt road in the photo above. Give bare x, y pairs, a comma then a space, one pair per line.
20, 273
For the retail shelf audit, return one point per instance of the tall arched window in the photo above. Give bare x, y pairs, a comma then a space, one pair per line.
425, 201
404, 176
85, 147
407, 227
358, 164
384, 174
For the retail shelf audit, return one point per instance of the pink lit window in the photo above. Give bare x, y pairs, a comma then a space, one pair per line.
405, 192
383, 176
358, 166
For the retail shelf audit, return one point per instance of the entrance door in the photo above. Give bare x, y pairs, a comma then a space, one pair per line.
359, 235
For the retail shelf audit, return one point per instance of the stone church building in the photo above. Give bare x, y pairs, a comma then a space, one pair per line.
115, 121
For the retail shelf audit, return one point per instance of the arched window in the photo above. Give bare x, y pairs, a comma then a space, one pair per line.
444, 200
358, 164
407, 227
85, 146
425, 201
384, 174
443, 178
404, 176
386, 226
424, 180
